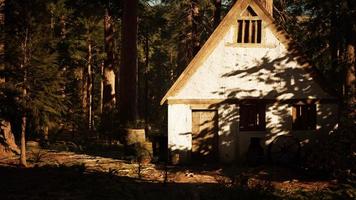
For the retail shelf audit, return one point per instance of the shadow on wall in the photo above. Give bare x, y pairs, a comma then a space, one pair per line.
279, 86
277, 82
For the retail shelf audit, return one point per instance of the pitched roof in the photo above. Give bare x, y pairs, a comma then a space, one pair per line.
223, 27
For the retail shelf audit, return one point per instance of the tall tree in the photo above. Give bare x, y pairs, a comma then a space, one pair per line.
7, 139
351, 52
128, 71
193, 19
217, 12
86, 47
33, 76
89, 84
2, 37
109, 99
24, 65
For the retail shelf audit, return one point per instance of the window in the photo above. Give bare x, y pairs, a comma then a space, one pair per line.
249, 28
249, 31
304, 117
252, 117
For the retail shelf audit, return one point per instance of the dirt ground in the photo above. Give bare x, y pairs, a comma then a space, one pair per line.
69, 175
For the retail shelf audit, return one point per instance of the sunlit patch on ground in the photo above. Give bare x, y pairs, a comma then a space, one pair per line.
67, 175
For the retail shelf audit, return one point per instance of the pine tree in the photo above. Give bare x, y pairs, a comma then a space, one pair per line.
217, 12
86, 49
2, 45
33, 74
109, 77
128, 71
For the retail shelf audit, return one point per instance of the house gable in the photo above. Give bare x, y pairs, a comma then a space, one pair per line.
225, 69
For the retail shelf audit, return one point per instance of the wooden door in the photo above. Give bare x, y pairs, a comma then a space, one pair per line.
205, 135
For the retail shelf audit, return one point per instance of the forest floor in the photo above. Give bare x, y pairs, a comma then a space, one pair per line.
68, 175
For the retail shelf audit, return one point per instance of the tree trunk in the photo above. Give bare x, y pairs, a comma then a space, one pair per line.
8, 145
194, 22
2, 38
217, 13
84, 92
351, 73
146, 88
109, 75
101, 88
190, 44
109, 96
26, 58
23, 161
90, 87
128, 72
7, 139
335, 46
351, 41
63, 27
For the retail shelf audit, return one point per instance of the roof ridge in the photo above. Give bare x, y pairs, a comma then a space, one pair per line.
212, 41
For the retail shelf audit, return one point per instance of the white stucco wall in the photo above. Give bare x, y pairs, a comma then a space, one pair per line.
238, 72
228, 126
180, 131
279, 122
179, 127
233, 144
233, 72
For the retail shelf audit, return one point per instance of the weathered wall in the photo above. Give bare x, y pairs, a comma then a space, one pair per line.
230, 71
228, 126
267, 72
233, 144
279, 122
180, 130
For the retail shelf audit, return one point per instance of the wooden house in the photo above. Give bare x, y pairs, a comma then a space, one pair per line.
248, 81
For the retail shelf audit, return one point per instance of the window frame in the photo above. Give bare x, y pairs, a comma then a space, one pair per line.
256, 19
304, 117
255, 32
245, 118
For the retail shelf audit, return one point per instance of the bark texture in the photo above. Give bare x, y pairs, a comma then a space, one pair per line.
90, 86
109, 77
2, 37
109, 74
194, 19
8, 146
129, 68
26, 58
217, 12
23, 160
350, 79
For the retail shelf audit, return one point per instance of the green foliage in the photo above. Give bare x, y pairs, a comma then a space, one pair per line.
60, 31
165, 49
31, 64
321, 30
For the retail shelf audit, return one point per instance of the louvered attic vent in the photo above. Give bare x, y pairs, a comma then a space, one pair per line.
249, 28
